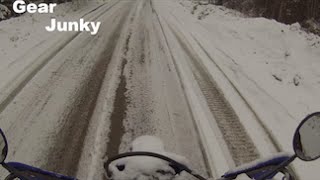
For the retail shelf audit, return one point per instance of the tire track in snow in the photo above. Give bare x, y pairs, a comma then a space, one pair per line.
258, 119
25, 76
122, 99
118, 115
274, 142
201, 146
78, 119
239, 143
117, 129
120, 105
140, 116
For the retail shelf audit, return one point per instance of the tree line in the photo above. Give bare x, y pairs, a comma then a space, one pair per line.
305, 12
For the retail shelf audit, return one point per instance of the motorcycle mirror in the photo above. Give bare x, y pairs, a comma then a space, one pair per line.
306, 141
3, 147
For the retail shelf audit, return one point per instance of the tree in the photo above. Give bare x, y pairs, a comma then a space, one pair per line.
312, 9
4, 12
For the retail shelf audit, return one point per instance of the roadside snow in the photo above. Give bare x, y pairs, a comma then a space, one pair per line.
281, 59
24, 43
272, 65
26, 34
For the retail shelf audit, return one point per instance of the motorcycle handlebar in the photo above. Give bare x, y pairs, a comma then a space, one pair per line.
178, 167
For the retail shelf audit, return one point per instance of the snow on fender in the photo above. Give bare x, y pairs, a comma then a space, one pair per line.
20, 7
145, 167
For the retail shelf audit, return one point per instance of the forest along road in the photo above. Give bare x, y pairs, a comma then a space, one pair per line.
100, 92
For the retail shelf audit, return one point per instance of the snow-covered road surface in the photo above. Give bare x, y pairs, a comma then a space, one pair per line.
116, 83
56, 104
80, 99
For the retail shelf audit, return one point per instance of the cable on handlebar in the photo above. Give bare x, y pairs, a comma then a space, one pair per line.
177, 166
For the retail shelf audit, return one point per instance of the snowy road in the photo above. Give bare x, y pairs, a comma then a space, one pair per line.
121, 83
85, 98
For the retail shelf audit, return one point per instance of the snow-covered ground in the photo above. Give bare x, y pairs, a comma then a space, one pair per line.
25, 43
25, 49
149, 67
273, 66
24, 33
63, 101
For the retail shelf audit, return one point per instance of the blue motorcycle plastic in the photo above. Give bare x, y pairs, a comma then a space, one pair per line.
306, 145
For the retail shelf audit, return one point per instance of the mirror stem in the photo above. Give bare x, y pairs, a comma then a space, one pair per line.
277, 168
